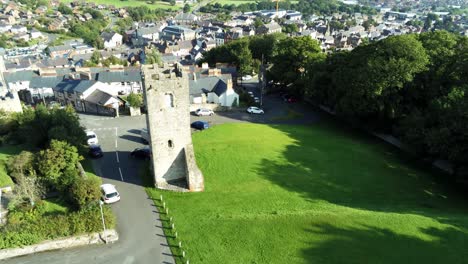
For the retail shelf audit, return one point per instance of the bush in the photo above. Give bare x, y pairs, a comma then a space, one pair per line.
31, 226
84, 191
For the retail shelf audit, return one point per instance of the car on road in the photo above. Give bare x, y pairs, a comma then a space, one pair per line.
95, 151
246, 77
204, 112
141, 153
256, 99
109, 193
92, 138
255, 110
200, 125
289, 98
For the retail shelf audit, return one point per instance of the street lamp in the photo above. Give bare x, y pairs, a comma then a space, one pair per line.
103, 223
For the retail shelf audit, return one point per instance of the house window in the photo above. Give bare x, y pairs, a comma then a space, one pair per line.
170, 144
122, 83
169, 100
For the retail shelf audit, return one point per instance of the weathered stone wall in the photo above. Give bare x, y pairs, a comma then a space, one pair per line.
109, 236
166, 94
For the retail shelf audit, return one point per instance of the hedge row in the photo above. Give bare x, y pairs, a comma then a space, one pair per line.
30, 227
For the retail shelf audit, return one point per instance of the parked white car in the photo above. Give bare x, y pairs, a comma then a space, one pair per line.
255, 110
92, 138
204, 112
246, 77
109, 193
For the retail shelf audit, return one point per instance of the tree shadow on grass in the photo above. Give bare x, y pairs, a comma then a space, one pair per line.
343, 167
369, 244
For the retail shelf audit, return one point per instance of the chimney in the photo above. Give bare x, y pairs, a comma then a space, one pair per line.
229, 83
85, 75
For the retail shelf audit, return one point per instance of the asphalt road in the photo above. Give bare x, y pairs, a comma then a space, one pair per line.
141, 238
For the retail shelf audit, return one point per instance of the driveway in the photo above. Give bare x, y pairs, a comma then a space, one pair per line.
141, 238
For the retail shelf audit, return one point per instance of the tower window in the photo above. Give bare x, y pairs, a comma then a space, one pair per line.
170, 144
169, 100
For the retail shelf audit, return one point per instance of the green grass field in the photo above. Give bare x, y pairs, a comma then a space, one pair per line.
133, 3
313, 194
5, 153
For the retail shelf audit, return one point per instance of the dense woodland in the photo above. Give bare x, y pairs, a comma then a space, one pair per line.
413, 86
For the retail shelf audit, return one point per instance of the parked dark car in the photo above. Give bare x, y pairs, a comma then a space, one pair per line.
141, 153
95, 151
200, 125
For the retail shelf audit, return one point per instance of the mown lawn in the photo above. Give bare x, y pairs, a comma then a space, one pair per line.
5, 153
313, 194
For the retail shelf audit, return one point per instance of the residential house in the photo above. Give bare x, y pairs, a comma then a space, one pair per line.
214, 89
220, 38
111, 39
248, 31
269, 28
177, 33
87, 16
41, 10
7, 19
101, 103
148, 33
73, 92
120, 81
59, 51
293, 15
185, 18
16, 29
35, 34
4, 27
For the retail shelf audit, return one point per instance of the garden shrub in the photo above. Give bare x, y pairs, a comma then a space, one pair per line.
27, 227
84, 191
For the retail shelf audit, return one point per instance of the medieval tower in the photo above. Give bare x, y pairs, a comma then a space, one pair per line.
166, 94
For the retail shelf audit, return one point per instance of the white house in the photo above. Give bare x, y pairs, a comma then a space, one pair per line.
112, 39
18, 29
120, 81
35, 34
213, 89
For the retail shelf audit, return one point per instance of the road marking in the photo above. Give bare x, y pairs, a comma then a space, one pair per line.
117, 155
115, 137
121, 174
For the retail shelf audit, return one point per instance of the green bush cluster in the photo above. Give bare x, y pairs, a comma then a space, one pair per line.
27, 227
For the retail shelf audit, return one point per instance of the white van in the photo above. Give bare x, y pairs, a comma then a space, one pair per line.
145, 135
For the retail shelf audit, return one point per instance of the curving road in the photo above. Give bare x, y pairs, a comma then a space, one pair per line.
141, 238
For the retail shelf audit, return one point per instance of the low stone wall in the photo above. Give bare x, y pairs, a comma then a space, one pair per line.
109, 236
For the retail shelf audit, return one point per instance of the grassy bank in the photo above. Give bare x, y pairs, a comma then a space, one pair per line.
5, 153
315, 194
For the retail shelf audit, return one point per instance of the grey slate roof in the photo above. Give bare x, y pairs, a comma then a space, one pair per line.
98, 97
215, 84
119, 76
45, 82
19, 76
71, 86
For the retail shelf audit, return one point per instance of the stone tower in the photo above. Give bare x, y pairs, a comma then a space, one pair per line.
166, 92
